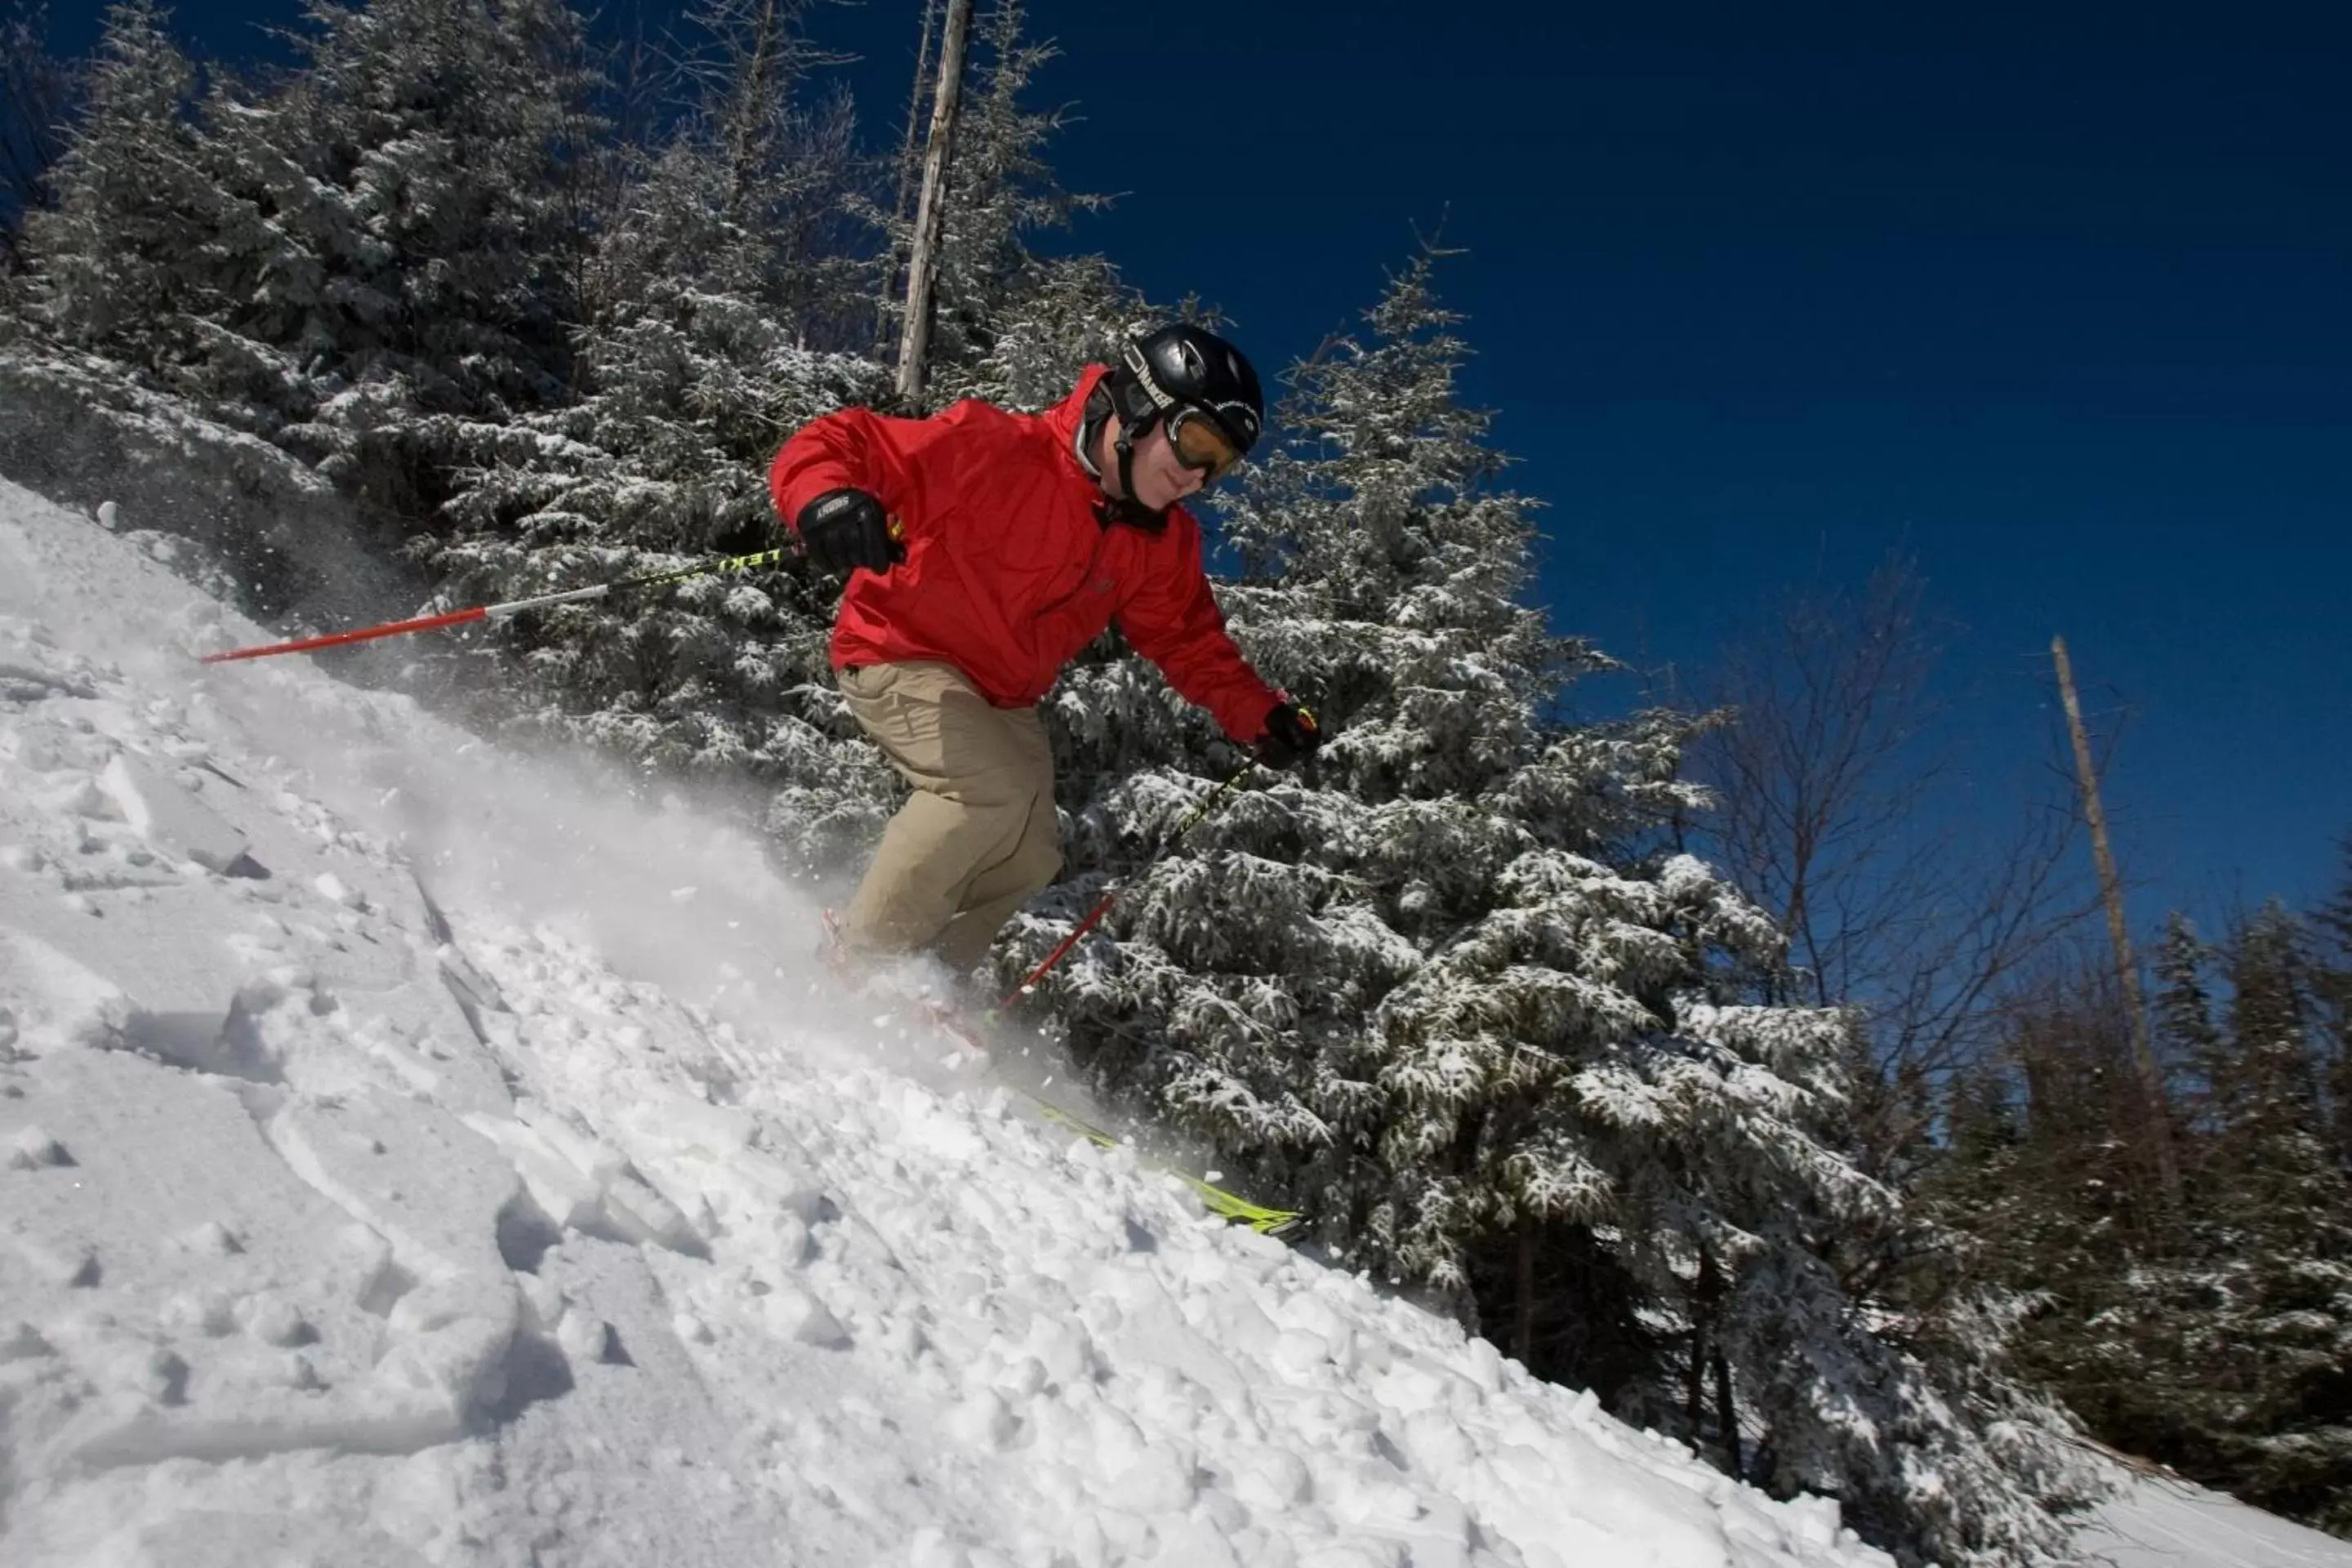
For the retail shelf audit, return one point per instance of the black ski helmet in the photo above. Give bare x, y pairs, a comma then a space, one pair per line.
1185, 366
1170, 370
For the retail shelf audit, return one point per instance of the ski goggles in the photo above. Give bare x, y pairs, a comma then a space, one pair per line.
1202, 445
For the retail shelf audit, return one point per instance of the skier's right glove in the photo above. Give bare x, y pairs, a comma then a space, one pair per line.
1291, 736
844, 530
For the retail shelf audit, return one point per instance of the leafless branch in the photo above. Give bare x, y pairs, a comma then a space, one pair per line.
1835, 777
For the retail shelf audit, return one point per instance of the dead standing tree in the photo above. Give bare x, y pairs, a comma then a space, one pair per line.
1834, 774
2158, 1119
931, 209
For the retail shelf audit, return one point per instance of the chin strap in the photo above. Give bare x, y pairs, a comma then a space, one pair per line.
1122, 507
1125, 447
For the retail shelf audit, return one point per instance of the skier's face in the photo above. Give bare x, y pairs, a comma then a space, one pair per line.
1160, 480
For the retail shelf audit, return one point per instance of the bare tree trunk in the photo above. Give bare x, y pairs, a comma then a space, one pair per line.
1695, 1381
1707, 1353
2159, 1116
914, 336
1728, 1413
1703, 1297
1523, 1328
909, 162
760, 72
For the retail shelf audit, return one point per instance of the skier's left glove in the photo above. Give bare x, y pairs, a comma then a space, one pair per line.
1291, 736
844, 530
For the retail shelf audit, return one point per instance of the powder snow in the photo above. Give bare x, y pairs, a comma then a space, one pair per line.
414, 1152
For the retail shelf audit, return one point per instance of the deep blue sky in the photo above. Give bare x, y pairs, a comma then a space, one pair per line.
2058, 297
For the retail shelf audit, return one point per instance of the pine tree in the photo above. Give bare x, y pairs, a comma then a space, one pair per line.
2026, 1229
439, 144
1251, 961
1455, 993
2332, 979
166, 254
753, 201
383, 236
131, 190
2119, 1280
158, 310
705, 291
37, 91
2212, 1337
2276, 1224
1069, 312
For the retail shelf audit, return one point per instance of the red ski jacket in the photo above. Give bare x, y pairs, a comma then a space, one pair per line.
1009, 572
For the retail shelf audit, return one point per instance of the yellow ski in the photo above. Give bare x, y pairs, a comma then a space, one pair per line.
1240, 1210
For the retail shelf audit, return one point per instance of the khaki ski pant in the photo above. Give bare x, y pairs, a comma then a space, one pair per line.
979, 834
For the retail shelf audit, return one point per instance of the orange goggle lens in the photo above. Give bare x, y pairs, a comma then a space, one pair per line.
1201, 445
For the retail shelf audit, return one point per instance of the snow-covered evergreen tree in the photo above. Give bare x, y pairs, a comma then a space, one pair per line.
2332, 979
1069, 312
37, 93
1453, 993
384, 234
2210, 1335
439, 144
706, 292
2274, 1214
164, 257
135, 198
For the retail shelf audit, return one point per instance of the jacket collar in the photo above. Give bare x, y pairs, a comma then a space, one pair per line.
1065, 418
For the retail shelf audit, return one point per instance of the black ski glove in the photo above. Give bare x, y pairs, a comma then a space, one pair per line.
844, 530
1291, 736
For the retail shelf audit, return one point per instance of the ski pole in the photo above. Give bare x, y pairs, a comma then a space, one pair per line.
1103, 904
513, 607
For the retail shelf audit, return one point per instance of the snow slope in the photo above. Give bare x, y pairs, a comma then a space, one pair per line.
2166, 1523
411, 1152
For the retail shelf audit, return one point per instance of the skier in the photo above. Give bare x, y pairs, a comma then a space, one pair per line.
984, 550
